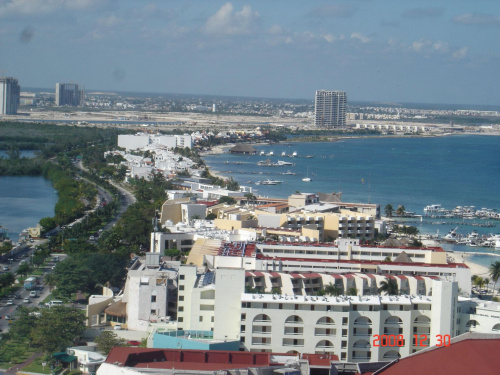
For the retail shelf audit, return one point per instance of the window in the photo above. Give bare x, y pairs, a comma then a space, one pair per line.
181, 308
243, 328
153, 312
181, 298
180, 320
153, 298
181, 277
181, 287
243, 317
212, 319
201, 318
345, 321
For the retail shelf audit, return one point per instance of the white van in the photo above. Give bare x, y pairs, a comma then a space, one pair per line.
54, 303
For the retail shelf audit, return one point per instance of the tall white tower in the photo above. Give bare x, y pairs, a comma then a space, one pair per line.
10, 93
330, 108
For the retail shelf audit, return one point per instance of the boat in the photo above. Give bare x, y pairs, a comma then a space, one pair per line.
281, 163
271, 182
307, 178
289, 173
294, 154
451, 236
262, 153
432, 208
283, 153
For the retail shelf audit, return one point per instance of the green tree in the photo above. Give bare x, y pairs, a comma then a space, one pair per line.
172, 253
47, 223
353, 291
494, 272
389, 287
23, 324
228, 200
211, 216
107, 340
401, 210
57, 327
332, 290
72, 275
23, 269
388, 210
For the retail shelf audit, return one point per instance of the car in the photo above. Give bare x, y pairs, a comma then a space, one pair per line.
117, 327
26, 300
134, 343
17, 296
10, 302
6, 268
7, 317
33, 293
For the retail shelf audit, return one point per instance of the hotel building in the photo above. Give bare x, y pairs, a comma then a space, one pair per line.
9, 95
330, 109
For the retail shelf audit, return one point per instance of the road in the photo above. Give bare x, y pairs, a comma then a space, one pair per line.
42, 292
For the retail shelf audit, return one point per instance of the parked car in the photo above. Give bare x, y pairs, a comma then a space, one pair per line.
117, 327
10, 302
33, 293
5, 268
26, 300
134, 343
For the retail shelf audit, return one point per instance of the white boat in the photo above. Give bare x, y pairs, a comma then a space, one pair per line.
289, 173
432, 208
307, 178
294, 154
262, 153
283, 153
271, 153
271, 182
451, 236
281, 162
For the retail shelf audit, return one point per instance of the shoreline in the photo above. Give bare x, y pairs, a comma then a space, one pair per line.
464, 257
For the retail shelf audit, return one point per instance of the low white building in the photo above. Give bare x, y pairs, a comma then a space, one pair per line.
141, 141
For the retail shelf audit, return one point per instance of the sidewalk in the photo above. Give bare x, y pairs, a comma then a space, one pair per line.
14, 369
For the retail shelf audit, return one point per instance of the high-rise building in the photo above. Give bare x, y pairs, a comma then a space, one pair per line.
9, 95
68, 94
330, 107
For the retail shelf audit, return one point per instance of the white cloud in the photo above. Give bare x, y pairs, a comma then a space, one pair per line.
276, 30
421, 45
477, 19
441, 46
460, 53
360, 37
329, 38
228, 22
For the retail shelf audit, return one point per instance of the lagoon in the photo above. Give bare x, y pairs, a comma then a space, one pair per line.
24, 200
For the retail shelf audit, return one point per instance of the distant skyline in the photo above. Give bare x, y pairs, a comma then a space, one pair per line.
386, 51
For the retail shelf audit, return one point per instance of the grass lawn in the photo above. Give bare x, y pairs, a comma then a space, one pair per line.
13, 353
36, 366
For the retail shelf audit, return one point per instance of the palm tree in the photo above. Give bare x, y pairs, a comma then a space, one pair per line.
479, 282
353, 291
388, 210
389, 287
495, 274
332, 290
401, 210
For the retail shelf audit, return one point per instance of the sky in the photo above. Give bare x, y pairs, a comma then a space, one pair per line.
376, 50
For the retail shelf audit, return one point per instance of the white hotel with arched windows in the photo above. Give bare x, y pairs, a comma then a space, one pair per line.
343, 325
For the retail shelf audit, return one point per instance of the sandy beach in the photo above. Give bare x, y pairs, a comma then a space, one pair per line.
462, 257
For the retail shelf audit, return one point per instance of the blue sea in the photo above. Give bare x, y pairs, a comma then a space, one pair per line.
24, 200
462, 170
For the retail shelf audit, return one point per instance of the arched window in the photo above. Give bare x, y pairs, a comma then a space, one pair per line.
471, 324
326, 320
422, 319
392, 354
294, 319
363, 320
262, 318
362, 344
324, 346
393, 320
496, 327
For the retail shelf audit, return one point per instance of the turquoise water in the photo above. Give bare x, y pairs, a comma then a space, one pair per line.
24, 200
415, 172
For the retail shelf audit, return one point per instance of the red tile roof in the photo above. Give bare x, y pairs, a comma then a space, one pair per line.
468, 356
